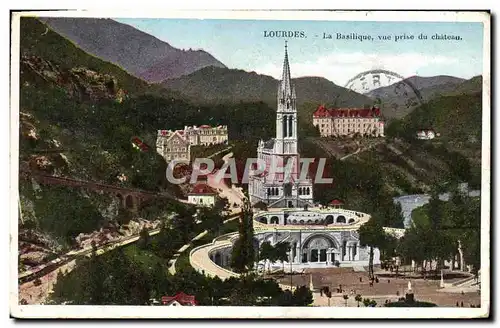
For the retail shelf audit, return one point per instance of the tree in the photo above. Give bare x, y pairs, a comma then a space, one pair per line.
267, 252
346, 297
285, 299
221, 206
371, 235
95, 280
211, 219
261, 206
144, 240
281, 250
389, 247
184, 223
366, 302
302, 296
358, 299
243, 253
166, 243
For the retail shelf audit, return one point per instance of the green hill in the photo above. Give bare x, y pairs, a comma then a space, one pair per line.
222, 85
458, 118
77, 117
399, 99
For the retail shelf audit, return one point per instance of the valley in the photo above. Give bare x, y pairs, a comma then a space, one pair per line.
83, 103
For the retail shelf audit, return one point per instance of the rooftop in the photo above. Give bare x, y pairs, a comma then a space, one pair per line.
202, 189
322, 111
180, 297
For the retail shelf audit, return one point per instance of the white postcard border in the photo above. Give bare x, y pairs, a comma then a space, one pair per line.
67, 311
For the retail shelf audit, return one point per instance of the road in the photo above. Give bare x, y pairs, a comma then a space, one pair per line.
66, 263
181, 250
233, 194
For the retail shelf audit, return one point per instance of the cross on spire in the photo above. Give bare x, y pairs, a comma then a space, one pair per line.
286, 82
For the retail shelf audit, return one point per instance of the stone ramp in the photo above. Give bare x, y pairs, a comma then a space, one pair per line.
358, 269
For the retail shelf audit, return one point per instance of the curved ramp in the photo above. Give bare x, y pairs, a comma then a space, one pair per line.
199, 257
200, 260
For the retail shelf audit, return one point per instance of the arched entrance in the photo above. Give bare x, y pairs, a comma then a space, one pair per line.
329, 219
262, 219
319, 248
341, 219
275, 220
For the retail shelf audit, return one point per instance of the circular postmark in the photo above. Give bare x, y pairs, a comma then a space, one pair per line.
387, 88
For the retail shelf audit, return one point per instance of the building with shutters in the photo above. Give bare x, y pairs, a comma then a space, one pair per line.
338, 122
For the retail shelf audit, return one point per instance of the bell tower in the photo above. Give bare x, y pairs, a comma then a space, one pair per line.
286, 114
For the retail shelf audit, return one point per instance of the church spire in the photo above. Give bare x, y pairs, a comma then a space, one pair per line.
286, 79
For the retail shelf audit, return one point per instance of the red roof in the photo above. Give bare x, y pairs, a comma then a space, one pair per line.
322, 111
180, 297
205, 126
336, 202
202, 189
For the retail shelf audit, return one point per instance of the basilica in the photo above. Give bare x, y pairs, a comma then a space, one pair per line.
319, 236
280, 183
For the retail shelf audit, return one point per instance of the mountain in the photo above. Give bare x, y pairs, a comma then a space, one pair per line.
474, 85
213, 85
399, 99
135, 51
77, 115
458, 118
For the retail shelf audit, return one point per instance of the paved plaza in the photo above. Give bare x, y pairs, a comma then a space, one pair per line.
388, 288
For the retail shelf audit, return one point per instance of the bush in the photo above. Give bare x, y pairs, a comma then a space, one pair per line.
410, 304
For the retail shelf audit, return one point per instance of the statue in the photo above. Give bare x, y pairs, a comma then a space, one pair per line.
409, 286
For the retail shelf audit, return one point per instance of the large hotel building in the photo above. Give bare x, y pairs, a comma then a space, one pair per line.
349, 121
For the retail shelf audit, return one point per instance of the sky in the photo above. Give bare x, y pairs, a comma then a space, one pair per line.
241, 44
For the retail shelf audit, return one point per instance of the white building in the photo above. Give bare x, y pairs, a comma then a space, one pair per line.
349, 121
280, 189
426, 134
202, 195
206, 135
177, 144
173, 145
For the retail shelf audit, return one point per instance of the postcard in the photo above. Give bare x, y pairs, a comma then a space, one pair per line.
250, 164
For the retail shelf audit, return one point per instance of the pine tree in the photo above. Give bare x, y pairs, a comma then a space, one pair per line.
243, 253
372, 235
96, 277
